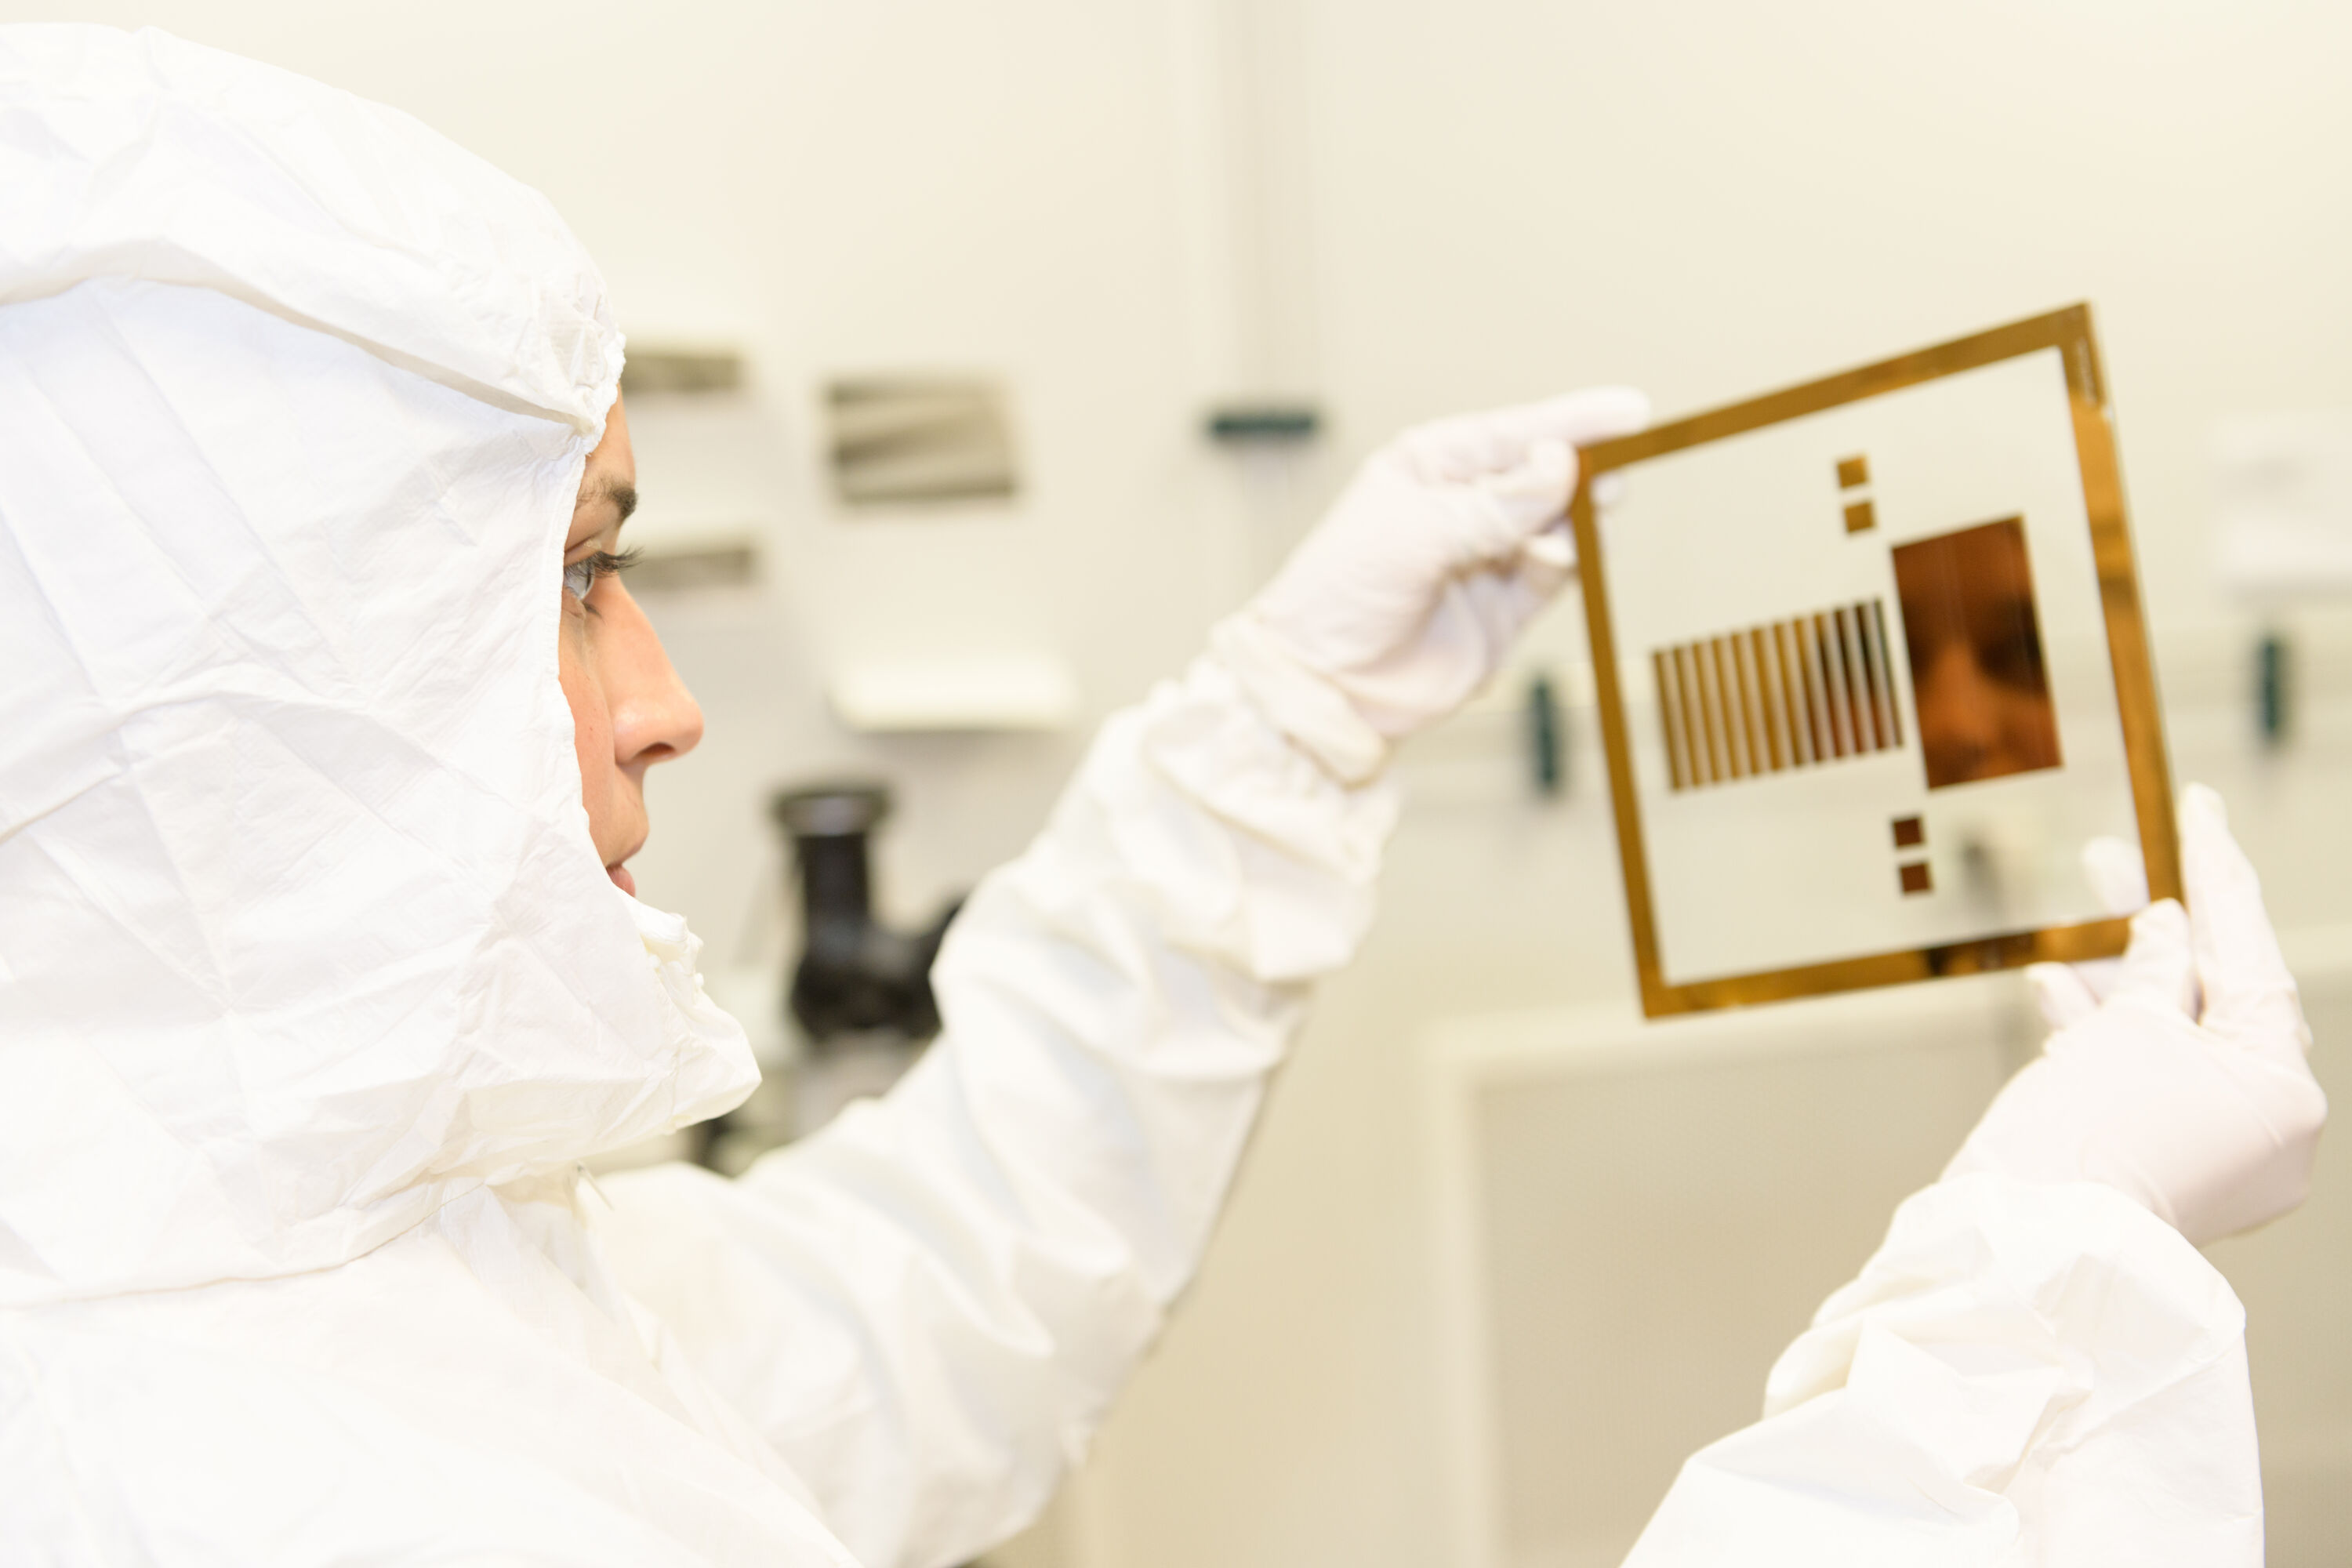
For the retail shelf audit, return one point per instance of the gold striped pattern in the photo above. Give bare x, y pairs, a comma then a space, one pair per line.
1794, 694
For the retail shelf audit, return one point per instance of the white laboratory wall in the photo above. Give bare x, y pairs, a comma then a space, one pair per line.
1126, 208
1634, 1218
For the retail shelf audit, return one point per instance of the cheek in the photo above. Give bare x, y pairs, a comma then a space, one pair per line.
591, 731
1935, 695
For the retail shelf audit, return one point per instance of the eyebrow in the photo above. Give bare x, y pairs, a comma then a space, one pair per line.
623, 496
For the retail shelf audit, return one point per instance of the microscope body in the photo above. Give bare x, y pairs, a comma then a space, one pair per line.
855, 976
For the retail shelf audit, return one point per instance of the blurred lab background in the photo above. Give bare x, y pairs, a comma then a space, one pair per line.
984, 352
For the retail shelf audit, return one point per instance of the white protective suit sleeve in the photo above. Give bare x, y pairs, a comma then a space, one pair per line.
2022, 1375
926, 1308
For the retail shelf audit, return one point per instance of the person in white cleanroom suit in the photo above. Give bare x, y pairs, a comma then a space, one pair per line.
316, 984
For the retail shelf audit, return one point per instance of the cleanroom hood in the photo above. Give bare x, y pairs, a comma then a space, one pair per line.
301, 931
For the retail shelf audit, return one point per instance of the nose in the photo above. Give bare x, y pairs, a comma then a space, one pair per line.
1959, 716
654, 718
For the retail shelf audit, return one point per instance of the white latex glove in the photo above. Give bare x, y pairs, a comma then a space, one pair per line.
2187, 1086
2069, 993
1407, 595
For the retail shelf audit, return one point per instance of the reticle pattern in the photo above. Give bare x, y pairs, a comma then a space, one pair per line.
1796, 693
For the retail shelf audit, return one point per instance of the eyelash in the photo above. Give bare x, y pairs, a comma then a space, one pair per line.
580, 576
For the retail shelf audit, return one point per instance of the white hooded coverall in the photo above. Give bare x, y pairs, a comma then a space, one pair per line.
313, 993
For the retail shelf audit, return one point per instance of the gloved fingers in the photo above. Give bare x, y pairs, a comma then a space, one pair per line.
2118, 876
1581, 419
1547, 558
2119, 882
1467, 446
1502, 603
1550, 553
2249, 998
1533, 492
1491, 519
1554, 547
2064, 998
2160, 966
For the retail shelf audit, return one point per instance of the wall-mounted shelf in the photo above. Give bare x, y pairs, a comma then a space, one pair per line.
966, 692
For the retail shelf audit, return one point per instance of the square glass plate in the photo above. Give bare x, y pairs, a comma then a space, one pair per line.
1872, 670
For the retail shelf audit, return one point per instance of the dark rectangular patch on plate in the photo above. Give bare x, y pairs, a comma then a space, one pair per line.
1979, 685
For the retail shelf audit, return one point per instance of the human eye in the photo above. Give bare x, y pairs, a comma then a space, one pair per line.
2010, 653
580, 576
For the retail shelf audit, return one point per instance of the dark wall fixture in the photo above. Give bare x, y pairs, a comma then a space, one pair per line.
855, 976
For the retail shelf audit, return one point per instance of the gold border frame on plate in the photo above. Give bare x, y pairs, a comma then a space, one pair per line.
2069, 332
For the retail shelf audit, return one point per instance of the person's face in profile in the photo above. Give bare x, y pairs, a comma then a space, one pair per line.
1977, 674
629, 710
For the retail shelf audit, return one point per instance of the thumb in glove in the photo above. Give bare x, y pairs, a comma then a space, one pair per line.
2187, 1085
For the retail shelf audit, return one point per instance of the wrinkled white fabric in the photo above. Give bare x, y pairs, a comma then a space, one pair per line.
313, 992
2022, 1376
926, 1308
160, 160
304, 932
